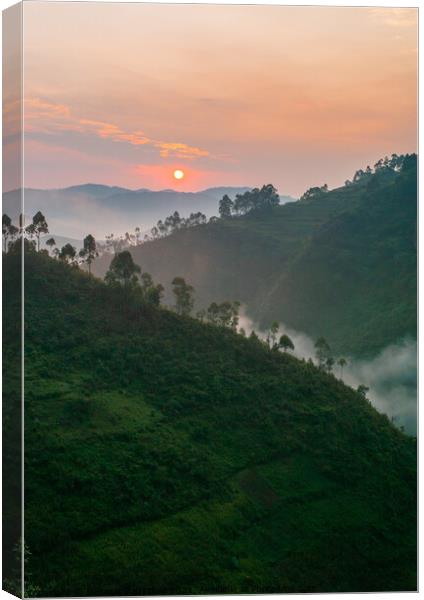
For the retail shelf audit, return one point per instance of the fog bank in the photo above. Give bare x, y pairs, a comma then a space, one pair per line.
391, 376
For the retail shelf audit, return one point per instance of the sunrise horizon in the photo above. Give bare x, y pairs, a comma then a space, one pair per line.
222, 114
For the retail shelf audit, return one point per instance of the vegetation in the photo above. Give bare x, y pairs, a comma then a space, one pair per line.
165, 455
171, 455
286, 343
323, 266
89, 251
183, 296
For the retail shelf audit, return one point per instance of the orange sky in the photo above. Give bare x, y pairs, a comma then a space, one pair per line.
123, 94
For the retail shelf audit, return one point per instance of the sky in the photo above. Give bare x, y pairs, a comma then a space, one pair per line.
124, 94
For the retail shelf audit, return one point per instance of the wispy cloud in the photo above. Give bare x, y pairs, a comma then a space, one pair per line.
42, 116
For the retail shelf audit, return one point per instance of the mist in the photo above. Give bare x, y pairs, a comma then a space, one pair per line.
391, 376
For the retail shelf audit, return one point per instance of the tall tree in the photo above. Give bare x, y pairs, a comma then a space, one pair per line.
9, 230
342, 362
67, 253
50, 243
39, 226
225, 314
329, 364
6, 223
151, 293
183, 296
89, 251
123, 270
272, 334
286, 343
362, 390
322, 352
225, 207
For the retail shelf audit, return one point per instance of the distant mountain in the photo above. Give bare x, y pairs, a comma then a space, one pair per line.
100, 210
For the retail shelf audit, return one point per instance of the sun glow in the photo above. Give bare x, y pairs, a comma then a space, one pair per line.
178, 174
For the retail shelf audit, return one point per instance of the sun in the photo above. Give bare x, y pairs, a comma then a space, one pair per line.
178, 174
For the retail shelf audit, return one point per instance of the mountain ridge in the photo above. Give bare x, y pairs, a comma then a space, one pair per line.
354, 237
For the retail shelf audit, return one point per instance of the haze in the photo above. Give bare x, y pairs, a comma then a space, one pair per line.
124, 94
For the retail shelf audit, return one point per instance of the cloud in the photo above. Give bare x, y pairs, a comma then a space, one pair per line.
42, 116
391, 376
179, 150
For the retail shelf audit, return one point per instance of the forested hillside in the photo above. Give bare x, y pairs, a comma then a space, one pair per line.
165, 455
338, 263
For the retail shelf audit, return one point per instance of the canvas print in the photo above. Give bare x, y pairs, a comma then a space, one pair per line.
209, 299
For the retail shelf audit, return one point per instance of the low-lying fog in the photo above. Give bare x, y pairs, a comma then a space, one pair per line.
391, 376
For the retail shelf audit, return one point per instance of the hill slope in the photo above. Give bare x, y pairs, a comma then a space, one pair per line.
324, 266
167, 456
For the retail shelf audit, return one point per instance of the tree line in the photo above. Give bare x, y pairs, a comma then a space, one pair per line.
126, 275
396, 163
12, 236
250, 201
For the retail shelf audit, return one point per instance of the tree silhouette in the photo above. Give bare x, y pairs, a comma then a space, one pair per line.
123, 270
322, 352
314, 192
37, 227
225, 207
67, 253
256, 199
89, 252
9, 230
183, 296
286, 343
362, 390
272, 334
151, 293
225, 314
329, 364
342, 362
50, 243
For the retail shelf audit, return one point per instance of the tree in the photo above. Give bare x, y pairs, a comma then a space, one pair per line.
322, 352
151, 293
213, 312
272, 334
50, 243
362, 390
225, 314
6, 223
155, 295
225, 207
67, 253
286, 343
256, 199
183, 295
342, 362
329, 364
38, 226
123, 270
9, 230
314, 192
89, 252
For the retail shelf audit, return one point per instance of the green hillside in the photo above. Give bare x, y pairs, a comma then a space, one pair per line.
163, 455
341, 264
